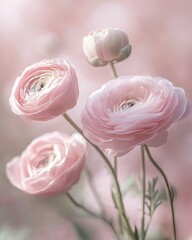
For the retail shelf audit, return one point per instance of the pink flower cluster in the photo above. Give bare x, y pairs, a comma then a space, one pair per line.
123, 113
53, 162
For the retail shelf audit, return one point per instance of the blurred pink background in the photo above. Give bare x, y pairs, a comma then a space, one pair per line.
31, 30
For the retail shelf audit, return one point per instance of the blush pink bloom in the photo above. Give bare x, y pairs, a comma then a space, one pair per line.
45, 90
106, 45
52, 163
59, 230
132, 110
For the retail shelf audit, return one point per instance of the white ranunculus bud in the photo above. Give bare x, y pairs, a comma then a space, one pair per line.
106, 45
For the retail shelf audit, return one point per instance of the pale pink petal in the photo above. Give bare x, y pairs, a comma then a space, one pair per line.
45, 90
51, 164
132, 110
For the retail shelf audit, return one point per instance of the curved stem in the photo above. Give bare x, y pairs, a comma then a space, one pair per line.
115, 165
143, 178
118, 190
168, 189
113, 69
90, 212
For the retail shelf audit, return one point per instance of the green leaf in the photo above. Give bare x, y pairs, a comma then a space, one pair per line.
163, 195
152, 196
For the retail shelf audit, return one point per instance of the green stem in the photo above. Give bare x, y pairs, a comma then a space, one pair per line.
113, 69
78, 205
118, 190
115, 158
168, 189
115, 165
116, 76
148, 225
143, 179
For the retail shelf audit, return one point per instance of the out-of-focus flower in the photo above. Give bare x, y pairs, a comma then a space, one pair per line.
106, 45
52, 163
45, 90
132, 110
62, 229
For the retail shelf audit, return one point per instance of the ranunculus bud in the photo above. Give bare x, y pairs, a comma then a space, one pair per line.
106, 45
45, 90
51, 164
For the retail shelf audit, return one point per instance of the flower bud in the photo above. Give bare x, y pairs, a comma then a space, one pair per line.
106, 45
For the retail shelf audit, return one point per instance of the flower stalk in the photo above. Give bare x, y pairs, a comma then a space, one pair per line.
167, 187
113, 69
121, 208
143, 180
85, 209
121, 229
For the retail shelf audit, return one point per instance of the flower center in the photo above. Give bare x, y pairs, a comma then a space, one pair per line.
44, 164
127, 104
40, 83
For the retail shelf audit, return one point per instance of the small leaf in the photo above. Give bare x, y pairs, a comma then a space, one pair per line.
163, 195
153, 200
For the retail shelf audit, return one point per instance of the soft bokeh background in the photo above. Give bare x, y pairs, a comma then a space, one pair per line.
31, 30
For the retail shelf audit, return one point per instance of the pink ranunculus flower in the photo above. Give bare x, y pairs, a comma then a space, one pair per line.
132, 110
52, 163
45, 90
106, 45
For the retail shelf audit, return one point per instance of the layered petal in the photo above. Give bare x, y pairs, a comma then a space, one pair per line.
45, 90
52, 163
106, 45
132, 110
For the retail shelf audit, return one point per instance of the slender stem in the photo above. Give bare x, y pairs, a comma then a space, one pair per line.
113, 69
115, 158
90, 212
95, 192
168, 189
143, 178
115, 166
119, 195
148, 225
116, 76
